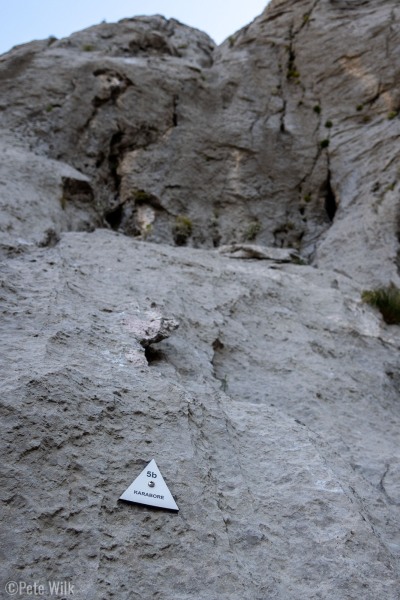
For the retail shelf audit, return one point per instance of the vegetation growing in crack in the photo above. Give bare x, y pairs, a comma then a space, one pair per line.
224, 383
288, 235
142, 197
182, 230
148, 230
292, 72
387, 301
252, 231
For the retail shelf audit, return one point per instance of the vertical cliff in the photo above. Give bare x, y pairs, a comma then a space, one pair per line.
186, 231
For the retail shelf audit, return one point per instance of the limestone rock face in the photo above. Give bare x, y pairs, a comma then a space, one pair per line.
287, 133
186, 231
272, 412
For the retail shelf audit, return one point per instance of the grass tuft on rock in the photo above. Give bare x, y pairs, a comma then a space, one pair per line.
387, 301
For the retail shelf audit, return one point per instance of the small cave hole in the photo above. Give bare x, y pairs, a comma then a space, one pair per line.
114, 217
217, 345
153, 355
216, 241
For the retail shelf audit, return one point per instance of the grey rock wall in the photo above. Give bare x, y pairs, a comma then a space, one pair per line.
181, 277
272, 413
286, 134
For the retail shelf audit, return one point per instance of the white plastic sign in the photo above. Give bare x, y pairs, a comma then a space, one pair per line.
150, 488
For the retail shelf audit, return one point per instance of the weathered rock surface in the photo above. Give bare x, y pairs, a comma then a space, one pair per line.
286, 133
273, 410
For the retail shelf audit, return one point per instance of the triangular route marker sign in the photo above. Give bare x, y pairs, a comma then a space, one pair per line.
150, 488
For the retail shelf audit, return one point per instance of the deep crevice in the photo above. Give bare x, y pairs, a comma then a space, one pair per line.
330, 199
175, 112
113, 158
283, 114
